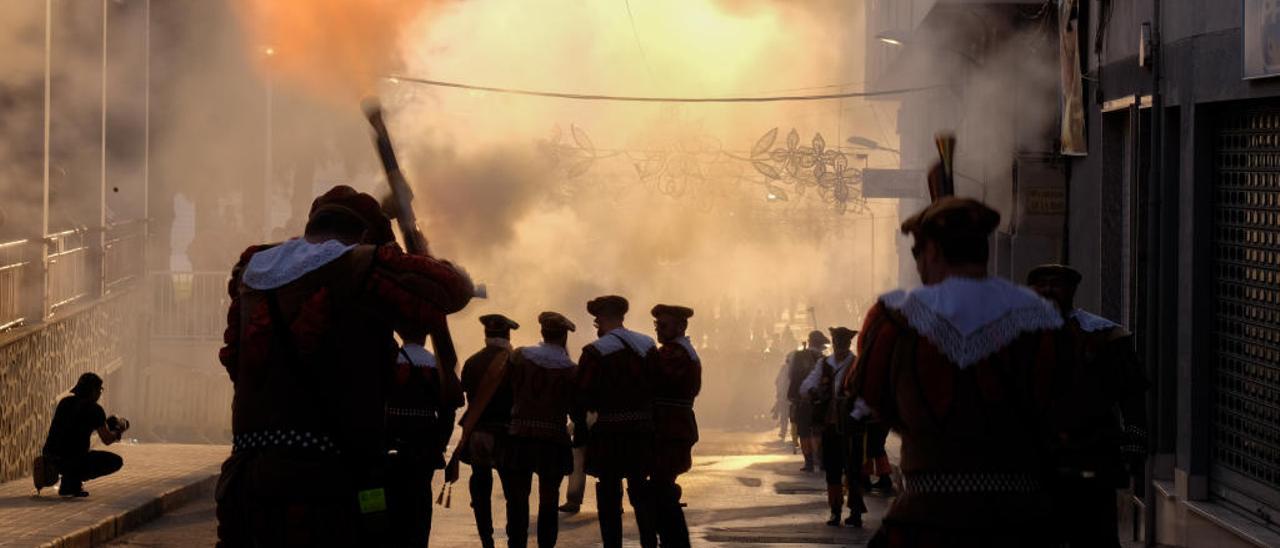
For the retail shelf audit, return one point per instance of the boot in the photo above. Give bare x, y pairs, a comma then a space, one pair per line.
481, 505
835, 498
884, 485
808, 463
672, 526
609, 508
854, 520
642, 502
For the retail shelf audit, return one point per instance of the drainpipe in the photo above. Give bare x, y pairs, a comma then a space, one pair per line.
1156, 247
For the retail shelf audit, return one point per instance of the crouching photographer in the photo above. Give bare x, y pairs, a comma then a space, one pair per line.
66, 450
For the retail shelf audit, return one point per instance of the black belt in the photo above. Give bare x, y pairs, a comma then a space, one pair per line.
292, 439
624, 416
424, 412
674, 402
538, 424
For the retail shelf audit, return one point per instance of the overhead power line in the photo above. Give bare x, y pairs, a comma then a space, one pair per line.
647, 99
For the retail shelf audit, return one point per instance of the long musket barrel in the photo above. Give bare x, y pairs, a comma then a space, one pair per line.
402, 196
402, 200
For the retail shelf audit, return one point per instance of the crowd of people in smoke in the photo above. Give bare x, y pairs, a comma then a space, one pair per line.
1018, 414
312, 317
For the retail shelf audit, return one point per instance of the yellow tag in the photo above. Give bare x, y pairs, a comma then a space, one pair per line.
373, 500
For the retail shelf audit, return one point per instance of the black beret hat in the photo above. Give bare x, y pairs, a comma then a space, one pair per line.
555, 321
682, 312
953, 217
498, 322
345, 199
608, 305
1060, 271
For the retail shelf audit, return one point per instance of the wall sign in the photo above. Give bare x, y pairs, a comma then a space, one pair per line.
1260, 35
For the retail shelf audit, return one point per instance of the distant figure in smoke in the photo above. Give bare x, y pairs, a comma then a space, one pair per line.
782, 407
310, 352
489, 400
1100, 424
543, 391
799, 364
961, 369
66, 449
842, 436
675, 427
616, 376
576, 487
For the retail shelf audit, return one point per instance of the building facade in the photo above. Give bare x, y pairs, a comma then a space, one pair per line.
1170, 207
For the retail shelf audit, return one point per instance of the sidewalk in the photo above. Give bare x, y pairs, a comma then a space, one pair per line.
155, 479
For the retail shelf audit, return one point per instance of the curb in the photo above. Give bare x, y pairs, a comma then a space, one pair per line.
130, 519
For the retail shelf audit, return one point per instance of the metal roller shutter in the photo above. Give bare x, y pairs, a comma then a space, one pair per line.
1246, 448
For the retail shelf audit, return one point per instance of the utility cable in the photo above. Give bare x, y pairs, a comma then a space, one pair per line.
647, 99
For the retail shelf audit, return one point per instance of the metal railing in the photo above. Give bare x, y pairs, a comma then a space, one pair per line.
68, 275
189, 305
124, 250
13, 268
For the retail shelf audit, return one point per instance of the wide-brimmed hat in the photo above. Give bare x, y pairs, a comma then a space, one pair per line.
843, 334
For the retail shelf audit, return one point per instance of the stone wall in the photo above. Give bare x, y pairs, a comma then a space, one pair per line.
39, 365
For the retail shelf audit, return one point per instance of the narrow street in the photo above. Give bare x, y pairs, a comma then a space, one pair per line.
745, 490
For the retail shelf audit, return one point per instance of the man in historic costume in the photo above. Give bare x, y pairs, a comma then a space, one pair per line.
1100, 421
961, 369
800, 363
542, 386
309, 348
675, 427
419, 420
489, 406
616, 376
842, 436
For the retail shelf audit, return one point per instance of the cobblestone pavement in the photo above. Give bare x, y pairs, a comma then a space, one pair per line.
154, 478
745, 490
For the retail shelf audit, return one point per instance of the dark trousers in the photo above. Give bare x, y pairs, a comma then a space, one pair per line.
842, 461
94, 464
275, 499
481, 487
671, 525
609, 509
1086, 512
409, 501
517, 485
877, 459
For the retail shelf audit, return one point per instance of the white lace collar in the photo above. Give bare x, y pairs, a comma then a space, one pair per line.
838, 366
275, 267
1092, 323
622, 337
417, 356
550, 356
688, 347
498, 342
969, 319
